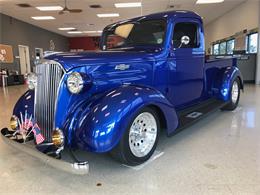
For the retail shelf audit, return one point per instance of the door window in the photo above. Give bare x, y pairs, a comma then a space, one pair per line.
185, 29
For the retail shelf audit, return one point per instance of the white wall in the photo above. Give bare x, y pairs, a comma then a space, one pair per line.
244, 16
258, 55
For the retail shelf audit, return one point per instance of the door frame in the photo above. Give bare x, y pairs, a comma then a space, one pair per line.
27, 59
179, 94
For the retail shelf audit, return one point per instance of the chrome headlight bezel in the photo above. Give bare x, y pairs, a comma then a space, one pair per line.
75, 83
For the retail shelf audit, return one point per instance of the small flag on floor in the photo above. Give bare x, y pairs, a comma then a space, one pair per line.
37, 134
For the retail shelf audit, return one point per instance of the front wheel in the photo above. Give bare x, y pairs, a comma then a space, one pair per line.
235, 96
140, 139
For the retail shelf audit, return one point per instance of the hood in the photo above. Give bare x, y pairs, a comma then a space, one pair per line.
72, 60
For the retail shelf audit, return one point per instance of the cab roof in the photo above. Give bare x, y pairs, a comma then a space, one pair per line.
161, 15
174, 14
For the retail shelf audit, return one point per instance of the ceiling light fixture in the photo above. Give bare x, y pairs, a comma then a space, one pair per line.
75, 32
209, 1
43, 18
90, 32
127, 5
108, 15
67, 28
49, 8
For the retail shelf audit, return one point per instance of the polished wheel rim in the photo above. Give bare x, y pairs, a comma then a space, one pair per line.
235, 92
142, 135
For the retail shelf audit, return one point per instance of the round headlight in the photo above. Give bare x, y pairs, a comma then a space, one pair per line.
14, 123
32, 80
75, 83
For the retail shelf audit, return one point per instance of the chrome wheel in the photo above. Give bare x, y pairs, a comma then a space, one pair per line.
143, 134
235, 92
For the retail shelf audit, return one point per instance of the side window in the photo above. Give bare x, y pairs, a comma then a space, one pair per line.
185, 29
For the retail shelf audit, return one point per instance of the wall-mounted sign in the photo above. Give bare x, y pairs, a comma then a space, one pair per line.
6, 54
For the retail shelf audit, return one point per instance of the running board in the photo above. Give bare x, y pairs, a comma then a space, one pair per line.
191, 115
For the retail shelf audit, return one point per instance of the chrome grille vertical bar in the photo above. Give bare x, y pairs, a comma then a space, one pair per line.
49, 78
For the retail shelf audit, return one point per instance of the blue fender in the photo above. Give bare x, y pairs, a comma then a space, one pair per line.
229, 75
25, 103
98, 125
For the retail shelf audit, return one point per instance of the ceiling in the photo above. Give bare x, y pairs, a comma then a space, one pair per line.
88, 20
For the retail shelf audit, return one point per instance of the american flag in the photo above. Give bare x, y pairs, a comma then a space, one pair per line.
37, 134
28, 123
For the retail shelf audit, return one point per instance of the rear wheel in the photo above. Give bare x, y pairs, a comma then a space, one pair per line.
235, 96
140, 139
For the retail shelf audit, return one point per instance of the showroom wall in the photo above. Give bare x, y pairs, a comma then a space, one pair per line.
84, 43
258, 55
15, 32
245, 16
1, 27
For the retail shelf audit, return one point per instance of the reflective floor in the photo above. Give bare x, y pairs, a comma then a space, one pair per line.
218, 155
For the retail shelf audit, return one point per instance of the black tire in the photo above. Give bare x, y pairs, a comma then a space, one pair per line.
122, 151
233, 105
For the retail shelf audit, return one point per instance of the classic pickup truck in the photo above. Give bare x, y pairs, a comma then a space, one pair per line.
150, 76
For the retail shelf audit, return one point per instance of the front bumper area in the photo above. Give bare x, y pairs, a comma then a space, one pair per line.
75, 167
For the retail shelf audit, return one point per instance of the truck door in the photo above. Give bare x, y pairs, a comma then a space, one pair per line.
186, 62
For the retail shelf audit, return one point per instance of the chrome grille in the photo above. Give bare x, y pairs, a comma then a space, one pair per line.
48, 80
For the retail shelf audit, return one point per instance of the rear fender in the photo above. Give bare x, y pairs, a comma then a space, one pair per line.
225, 84
98, 125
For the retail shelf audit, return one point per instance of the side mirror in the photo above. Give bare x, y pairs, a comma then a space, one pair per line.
185, 40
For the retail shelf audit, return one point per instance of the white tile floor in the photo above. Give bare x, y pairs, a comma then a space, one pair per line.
218, 155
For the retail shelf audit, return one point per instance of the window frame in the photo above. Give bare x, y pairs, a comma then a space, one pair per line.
230, 40
111, 28
198, 45
213, 49
248, 43
225, 51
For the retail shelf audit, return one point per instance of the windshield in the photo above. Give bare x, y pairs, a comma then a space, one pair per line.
143, 33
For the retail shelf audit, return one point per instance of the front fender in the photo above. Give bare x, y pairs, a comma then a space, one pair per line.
25, 104
99, 125
229, 75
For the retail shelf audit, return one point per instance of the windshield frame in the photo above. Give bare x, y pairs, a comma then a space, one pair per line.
111, 28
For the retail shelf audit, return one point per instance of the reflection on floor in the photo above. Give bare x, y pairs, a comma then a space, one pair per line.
218, 155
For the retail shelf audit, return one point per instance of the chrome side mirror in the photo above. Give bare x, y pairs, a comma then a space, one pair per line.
185, 40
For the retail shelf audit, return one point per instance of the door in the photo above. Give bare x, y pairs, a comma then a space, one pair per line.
38, 53
186, 63
25, 65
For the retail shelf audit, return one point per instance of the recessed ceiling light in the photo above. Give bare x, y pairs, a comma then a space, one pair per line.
43, 18
75, 32
49, 8
90, 32
125, 5
108, 15
209, 1
67, 28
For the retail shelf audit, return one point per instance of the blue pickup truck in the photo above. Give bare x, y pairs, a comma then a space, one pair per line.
151, 76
